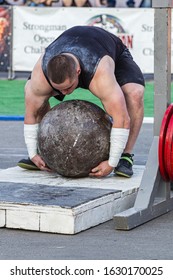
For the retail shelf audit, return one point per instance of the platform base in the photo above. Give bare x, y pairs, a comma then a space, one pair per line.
48, 202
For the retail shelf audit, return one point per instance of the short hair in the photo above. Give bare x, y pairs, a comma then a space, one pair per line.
61, 67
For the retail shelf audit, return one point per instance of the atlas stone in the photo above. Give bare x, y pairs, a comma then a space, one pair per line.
74, 137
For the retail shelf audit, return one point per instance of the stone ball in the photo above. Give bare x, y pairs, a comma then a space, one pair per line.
74, 137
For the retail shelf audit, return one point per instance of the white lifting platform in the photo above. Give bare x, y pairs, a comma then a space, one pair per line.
48, 202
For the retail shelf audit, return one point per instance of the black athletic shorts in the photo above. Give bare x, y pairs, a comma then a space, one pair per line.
127, 71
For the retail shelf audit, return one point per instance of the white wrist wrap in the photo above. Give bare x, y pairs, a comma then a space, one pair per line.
30, 136
118, 140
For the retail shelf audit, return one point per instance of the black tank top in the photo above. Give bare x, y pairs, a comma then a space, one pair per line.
89, 45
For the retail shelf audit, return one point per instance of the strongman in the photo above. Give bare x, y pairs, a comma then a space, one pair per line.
91, 58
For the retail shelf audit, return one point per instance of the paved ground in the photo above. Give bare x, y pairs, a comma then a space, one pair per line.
152, 240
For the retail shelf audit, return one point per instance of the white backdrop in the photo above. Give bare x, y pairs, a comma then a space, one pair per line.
35, 28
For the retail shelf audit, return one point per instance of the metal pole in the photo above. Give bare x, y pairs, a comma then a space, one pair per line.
162, 60
154, 197
11, 75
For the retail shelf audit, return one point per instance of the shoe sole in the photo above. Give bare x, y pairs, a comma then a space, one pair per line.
28, 166
123, 174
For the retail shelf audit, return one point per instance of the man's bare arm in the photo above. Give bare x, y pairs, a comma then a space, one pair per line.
105, 87
37, 94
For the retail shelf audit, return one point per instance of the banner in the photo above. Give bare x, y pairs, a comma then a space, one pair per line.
36, 28
5, 37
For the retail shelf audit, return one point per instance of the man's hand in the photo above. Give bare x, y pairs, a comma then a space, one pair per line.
103, 169
38, 161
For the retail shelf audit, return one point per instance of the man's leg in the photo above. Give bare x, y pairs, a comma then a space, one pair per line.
134, 100
134, 95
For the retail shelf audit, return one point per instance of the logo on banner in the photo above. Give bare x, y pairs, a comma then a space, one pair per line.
113, 25
5, 37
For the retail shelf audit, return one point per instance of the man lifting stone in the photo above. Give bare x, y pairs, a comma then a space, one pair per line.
91, 58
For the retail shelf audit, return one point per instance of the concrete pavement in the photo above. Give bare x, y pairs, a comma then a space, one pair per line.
152, 240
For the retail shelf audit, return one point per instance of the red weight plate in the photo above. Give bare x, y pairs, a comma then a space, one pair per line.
168, 148
171, 163
162, 136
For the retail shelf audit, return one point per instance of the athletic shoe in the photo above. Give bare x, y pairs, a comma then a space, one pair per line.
124, 167
27, 164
